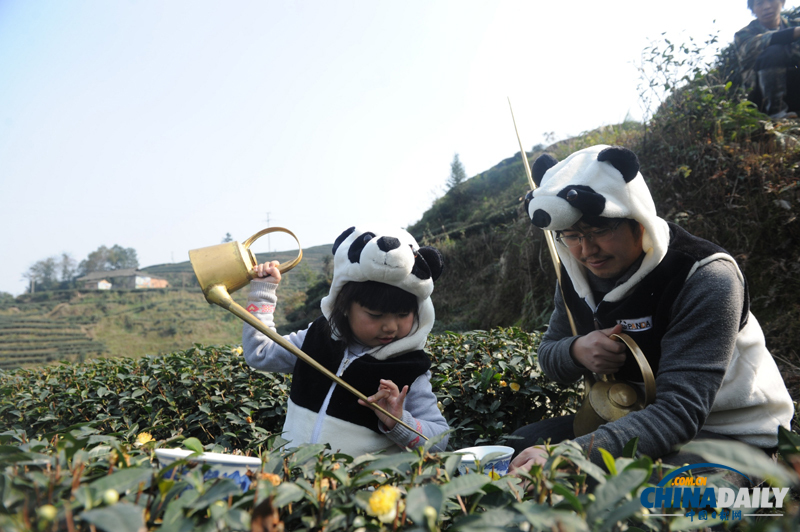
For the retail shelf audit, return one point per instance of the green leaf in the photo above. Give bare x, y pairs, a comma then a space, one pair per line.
788, 442
614, 490
306, 453
218, 491
465, 485
629, 451
193, 444
287, 493
609, 461
620, 513
565, 492
542, 517
420, 498
392, 462
121, 517
745, 458
124, 479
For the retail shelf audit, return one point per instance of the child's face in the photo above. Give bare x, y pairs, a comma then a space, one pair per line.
373, 328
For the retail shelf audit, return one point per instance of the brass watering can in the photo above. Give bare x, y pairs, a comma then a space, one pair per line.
225, 268
608, 400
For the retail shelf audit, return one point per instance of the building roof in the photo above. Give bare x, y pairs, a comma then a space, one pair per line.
110, 274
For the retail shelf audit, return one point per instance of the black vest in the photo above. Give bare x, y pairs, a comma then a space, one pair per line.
309, 386
647, 310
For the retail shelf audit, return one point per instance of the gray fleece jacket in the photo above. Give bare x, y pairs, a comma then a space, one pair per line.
712, 374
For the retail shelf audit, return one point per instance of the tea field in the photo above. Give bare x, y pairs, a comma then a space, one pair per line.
77, 454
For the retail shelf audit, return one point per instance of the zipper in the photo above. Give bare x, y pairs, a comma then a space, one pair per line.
315, 434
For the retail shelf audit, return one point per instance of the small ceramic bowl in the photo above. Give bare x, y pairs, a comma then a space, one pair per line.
222, 465
495, 458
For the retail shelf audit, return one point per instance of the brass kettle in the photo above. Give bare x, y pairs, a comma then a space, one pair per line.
609, 400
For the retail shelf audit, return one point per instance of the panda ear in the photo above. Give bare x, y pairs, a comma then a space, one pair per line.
542, 164
428, 264
622, 159
341, 238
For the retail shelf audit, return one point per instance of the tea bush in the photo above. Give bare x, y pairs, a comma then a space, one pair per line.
210, 393
82, 480
77, 453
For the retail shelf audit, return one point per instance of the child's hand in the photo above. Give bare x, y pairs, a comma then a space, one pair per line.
268, 271
390, 399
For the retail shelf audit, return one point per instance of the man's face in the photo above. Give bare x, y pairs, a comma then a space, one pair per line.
612, 255
768, 12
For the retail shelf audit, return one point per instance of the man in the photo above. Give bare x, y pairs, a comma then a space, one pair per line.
681, 298
769, 54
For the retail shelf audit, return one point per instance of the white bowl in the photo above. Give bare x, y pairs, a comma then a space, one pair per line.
222, 465
495, 458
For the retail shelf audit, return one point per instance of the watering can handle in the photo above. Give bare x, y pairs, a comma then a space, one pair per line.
644, 366
286, 266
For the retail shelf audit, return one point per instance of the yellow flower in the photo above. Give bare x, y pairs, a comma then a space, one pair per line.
271, 477
494, 475
514, 386
143, 437
503, 384
237, 350
383, 503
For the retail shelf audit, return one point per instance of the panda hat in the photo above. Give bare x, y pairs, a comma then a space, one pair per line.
600, 181
392, 257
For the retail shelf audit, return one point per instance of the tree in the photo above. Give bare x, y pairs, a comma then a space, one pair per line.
104, 259
51, 273
67, 266
42, 275
228, 238
457, 173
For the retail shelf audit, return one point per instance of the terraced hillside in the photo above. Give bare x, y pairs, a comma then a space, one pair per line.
26, 339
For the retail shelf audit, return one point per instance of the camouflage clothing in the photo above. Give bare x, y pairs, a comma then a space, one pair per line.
753, 40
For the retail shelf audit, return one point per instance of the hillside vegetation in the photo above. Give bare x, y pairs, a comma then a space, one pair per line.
714, 165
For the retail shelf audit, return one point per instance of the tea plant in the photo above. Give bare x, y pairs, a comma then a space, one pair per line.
81, 480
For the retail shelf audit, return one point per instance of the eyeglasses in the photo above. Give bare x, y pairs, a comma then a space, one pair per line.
575, 239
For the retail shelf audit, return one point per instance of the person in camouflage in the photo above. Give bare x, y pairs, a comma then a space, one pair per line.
768, 50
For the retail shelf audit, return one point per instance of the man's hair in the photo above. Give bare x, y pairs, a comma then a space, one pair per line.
373, 295
751, 2
599, 222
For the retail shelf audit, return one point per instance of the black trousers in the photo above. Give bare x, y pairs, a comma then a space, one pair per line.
779, 56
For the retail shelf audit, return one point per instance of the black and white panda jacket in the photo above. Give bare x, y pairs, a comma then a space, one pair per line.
318, 410
685, 302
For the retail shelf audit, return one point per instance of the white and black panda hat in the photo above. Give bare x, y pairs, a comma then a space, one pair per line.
392, 257
601, 181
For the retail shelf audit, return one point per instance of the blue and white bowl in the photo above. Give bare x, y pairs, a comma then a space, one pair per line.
222, 465
495, 458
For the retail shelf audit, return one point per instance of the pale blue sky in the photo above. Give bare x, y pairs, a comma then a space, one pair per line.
163, 125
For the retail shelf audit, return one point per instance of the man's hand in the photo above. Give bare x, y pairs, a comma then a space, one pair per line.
528, 458
599, 353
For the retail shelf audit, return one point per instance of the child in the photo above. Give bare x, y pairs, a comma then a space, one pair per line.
375, 322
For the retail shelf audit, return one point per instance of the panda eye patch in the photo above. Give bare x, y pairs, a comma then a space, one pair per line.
354, 253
